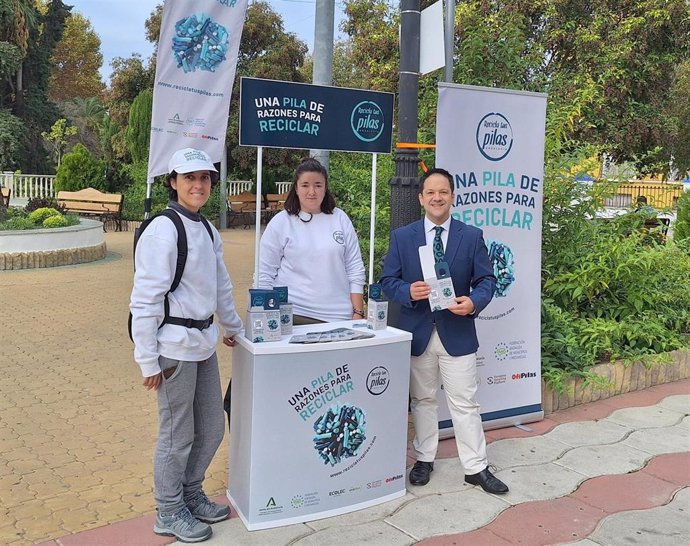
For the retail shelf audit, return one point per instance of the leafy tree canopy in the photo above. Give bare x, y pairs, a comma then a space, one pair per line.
11, 134
17, 19
153, 25
373, 30
58, 137
76, 62
614, 60
10, 59
34, 29
138, 134
129, 78
266, 51
680, 112
87, 115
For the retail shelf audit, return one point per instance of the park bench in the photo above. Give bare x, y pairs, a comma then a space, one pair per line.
242, 207
276, 203
5, 195
91, 202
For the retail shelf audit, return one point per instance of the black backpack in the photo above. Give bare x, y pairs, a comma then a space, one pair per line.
179, 268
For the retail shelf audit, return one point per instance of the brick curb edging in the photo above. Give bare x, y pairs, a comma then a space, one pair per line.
621, 378
51, 258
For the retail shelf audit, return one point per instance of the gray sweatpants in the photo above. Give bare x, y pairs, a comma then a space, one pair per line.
192, 424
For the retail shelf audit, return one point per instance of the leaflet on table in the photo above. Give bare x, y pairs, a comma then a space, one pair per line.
336, 334
442, 292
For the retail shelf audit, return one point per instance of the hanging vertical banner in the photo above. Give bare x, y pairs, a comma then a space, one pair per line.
195, 71
492, 142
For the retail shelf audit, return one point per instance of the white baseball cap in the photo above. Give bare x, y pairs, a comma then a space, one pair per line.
188, 160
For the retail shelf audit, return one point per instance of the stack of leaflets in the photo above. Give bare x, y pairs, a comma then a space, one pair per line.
337, 334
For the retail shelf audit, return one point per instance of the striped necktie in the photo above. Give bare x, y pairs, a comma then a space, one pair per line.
438, 245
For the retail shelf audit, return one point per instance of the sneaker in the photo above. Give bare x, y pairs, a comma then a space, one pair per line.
204, 509
181, 525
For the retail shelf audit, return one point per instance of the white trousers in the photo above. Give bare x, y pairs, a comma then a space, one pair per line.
459, 376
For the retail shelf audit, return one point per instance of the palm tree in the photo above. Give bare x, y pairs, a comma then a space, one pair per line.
88, 114
90, 109
17, 19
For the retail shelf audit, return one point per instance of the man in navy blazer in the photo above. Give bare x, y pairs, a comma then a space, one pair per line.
443, 342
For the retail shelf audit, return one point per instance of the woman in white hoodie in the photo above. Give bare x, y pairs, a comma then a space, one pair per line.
312, 248
175, 339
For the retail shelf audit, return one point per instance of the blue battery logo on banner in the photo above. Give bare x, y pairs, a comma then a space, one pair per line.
294, 115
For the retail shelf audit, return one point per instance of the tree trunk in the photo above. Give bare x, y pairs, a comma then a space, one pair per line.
19, 99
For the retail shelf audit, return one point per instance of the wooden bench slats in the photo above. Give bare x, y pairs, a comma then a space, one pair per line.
90, 194
5, 195
89, 207
91, 202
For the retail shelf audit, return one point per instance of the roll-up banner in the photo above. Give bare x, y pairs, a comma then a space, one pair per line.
295, 115
492, 142
195, 71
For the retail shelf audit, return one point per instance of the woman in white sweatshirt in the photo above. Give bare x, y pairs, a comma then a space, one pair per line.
175, 339
312, 248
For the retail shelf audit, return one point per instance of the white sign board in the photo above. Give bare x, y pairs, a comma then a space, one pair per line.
317, 429
432, 53
492, 142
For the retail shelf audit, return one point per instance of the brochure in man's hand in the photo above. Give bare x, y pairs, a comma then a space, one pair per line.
337, 334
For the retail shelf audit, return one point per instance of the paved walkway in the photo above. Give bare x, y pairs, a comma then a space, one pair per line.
613, 472
77, 433
77, 429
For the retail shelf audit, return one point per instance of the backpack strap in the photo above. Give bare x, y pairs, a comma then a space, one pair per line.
207, 226
182, 251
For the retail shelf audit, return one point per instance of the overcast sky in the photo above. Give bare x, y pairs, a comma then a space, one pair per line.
120, 24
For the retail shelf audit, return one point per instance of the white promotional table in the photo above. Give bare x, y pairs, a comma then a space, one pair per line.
318, 429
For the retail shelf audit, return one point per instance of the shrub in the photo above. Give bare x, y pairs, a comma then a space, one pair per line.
15, 213
135, 193
39, 215
681, 229
117, 177
609, 290
79, 170
16, 224
350, 181
211, 209
55, 221
41, 202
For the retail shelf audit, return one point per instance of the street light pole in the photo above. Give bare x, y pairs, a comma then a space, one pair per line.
323, 56
449, 39
405, 183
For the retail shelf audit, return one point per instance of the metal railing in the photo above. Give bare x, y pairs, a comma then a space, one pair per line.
236, 187
660, 195
26, 186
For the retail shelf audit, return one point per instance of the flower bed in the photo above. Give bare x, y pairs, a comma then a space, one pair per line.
619, 378
37, 248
